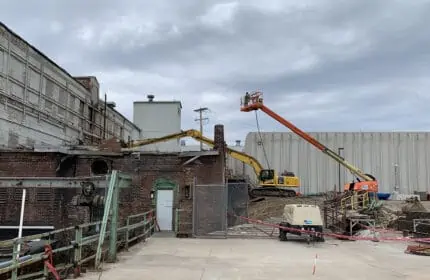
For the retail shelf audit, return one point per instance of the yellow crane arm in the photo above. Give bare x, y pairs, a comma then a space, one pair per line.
195, 134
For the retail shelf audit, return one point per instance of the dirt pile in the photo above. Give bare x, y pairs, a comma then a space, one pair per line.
413, 205
273, 207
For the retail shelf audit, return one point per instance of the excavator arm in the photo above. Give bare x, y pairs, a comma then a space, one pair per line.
270, 183
254, 101
195, 134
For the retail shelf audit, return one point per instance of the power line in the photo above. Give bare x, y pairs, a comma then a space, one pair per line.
261, 139
201, 119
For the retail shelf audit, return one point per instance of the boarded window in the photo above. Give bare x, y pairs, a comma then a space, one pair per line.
48, 104
13, 140
17, 69
44, 195
62, 98
49, 88
72, 102
17, 195
3, 195
61, 111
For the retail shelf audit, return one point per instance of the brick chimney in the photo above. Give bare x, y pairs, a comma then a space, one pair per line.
220, 146
219, 138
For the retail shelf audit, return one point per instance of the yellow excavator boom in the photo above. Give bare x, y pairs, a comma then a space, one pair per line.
268, 179
195, 134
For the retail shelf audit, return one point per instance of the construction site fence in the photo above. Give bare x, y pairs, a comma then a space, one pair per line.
73, 248
335, 235
211, 204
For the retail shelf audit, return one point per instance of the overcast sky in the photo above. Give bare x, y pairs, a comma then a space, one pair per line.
325, 65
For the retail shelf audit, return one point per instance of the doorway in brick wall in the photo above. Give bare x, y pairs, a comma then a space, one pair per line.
164, 209
163, 202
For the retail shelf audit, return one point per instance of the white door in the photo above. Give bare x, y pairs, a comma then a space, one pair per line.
165, 209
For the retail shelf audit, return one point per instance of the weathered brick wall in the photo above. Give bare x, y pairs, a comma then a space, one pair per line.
45, 206
53, 206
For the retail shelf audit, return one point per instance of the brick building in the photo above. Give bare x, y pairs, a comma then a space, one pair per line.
150, 172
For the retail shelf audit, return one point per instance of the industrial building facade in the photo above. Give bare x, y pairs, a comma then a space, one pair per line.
396, 159
41, 103
152, 175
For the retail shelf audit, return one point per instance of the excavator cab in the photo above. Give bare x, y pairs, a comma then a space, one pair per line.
266, 174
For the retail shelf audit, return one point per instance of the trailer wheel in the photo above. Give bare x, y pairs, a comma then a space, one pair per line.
282, 235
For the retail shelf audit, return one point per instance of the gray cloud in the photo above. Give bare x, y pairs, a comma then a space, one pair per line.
326, 65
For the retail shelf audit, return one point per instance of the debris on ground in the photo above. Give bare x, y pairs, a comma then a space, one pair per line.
386, 218
273, 207
255, 230
413, 205
367, 233
422, 250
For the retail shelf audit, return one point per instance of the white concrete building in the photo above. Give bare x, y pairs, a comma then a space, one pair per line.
156, 119
41, 103
396, 159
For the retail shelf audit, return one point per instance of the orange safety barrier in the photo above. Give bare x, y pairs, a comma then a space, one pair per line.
335, 235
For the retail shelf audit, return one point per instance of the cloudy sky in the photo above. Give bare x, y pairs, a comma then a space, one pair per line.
338, 65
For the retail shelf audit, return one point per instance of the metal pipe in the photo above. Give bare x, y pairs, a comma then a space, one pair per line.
338, 151
104, 124
21, 220
8, 263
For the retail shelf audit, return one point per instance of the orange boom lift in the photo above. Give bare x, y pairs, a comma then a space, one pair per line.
366, 182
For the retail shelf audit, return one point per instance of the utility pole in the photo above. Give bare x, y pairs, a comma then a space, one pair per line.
201, 119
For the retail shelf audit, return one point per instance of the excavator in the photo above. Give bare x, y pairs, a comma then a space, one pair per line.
365, 182
270, 183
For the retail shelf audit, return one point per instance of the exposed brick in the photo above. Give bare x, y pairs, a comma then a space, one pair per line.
60, 213
111, 145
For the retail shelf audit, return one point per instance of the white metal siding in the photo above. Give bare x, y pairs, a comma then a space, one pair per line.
157, 119
374, 152
236, 167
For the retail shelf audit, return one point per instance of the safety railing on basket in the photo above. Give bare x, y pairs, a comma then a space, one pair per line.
65, 251
355, 201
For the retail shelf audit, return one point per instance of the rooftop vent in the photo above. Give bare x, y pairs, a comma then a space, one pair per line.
150, 97
111, 104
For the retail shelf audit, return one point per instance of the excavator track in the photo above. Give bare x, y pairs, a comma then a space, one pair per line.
271, 192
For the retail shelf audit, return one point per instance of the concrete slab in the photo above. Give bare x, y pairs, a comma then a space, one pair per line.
206, 259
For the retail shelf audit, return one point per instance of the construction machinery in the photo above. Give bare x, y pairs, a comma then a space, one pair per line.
302, 220
365, 182
270, 183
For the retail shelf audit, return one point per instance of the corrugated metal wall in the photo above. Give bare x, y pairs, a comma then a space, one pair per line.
236, 167
374, 152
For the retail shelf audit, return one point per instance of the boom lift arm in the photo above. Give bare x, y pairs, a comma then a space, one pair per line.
271, 184
254, 101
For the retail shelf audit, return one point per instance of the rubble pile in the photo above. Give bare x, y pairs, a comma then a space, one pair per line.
413, 205
273, 207
386, 217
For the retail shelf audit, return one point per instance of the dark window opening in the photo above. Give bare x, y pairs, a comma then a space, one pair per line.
99, 167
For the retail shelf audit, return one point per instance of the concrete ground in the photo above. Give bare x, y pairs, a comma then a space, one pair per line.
205, 259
